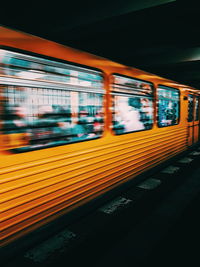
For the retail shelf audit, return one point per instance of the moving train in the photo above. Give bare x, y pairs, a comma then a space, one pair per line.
74, 126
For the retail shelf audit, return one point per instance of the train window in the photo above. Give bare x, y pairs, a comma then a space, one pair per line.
44, 111
34, 68
132, 105
190, 108
197, 102
168, 106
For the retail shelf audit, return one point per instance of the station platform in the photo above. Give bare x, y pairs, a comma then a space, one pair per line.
155, 223
168, 236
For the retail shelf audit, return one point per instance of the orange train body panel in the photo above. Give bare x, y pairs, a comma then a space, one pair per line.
38, 186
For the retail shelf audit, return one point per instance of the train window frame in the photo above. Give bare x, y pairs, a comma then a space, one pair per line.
114, 93
100, 90
179, 105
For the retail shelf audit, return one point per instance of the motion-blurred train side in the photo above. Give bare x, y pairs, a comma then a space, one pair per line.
74, 126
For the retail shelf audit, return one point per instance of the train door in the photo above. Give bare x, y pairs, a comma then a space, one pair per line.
193, 119
196, 119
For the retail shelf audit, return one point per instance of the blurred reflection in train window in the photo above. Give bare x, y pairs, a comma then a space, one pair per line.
38, 117
168, 106
48, 103
132, 114
132, 105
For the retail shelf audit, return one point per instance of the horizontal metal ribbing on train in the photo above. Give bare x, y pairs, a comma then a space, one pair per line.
152, 136
98, 179
66, 168
48, 172
60, 179
73, 177
64, 203
112, 169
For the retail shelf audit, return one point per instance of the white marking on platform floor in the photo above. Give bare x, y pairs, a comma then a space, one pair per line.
114, 205
195, 153
150, 184
185, 160
51, 245
170, 170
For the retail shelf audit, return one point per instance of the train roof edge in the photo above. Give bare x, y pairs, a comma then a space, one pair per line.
28, 42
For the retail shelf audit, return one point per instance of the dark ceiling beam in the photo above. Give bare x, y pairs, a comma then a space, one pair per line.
89, 12
187, 75
164, 59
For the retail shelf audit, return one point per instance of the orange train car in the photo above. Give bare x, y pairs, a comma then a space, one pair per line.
74, 126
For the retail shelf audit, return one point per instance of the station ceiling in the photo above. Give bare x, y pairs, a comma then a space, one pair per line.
158, 36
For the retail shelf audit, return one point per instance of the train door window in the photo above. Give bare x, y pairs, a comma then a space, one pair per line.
168, 106
197, 102
190, 108
64, 104
132, 105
